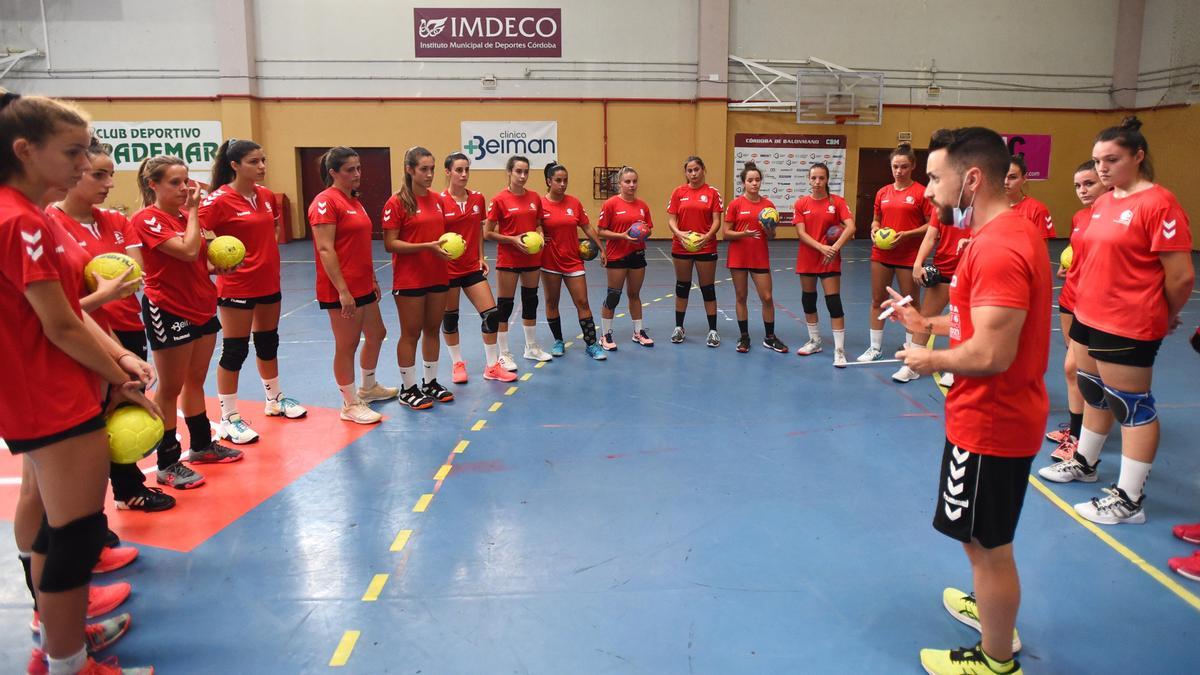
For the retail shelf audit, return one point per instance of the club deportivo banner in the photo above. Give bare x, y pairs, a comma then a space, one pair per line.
461, 32
195, 142
490, 144
784, 160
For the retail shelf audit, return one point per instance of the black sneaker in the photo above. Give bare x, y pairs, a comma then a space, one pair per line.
436, 391
773, 343
147, 499
743, 344
111, 540
415, 399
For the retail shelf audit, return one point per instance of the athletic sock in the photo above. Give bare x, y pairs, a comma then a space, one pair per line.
502, 341
814, 331
744, 327
1132, 478
589, 330
556, 327
408, 376
199, 432
530, 334
996, 665
839, 339
228, 403
1090, 445
908, 339
270, 388
605, 325
768, 326
169, 451
26, 559
429, 371
70, 665
1076, 424
637, 325
491, 353
455, 352
368, 378
877, 338
348, 394
679, 319
712, 321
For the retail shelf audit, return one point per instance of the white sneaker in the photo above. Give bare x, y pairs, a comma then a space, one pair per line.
507, 362
811, 347
839, 358
534, 352
905, 374
377, 392
1113, 509
947, 380
872, 354
287, 407
359, 413
1069, 470
236, 430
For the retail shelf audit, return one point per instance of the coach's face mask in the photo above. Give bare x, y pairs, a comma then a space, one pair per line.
958, 216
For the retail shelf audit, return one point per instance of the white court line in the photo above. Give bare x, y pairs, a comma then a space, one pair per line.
868, 363
293, 311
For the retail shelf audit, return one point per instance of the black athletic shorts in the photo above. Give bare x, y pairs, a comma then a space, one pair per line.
134, 341
19, 446
468, 280
360, 301
633, 261
938, 279
250, 303
1069, 311
893, 265
980, 496
165, 330
698, 257
419, 292
752, 270
520, 270
820, 275
1114, 348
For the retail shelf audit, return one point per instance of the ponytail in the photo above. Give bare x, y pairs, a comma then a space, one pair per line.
332, 160
152, 169
551, 169
34, 118
412, 158
232, 150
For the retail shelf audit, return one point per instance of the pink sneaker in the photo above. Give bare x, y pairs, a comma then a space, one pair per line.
643, 338
499, 373
101, 600
114, 558
1057, 436
37, 663
1065, 450
1188, 566
1189, 533
459, 375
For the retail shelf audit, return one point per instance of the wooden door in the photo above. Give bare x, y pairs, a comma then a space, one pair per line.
374, 191
874, 172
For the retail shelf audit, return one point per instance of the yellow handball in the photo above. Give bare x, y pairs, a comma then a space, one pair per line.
533, 241
885, 238
691, 241
453, 244
110, 266
1067, 257
225, 252
133, 433
768, 218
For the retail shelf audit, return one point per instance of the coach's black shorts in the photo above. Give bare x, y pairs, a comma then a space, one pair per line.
360, 301
165, 330
698, 257
1114, 348
980, 496
468, 280
633, 261
250, 303
20, 446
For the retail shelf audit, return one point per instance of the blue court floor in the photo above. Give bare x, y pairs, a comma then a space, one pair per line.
672, 510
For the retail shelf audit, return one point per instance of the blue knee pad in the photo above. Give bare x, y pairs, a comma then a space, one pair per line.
1131, 409
709, 293
1091, 387
73, 551
612, 298
529, 302
504, 307
833, 301
234, 352
808, 301
450, 322
489, 321
683, 289
266, 344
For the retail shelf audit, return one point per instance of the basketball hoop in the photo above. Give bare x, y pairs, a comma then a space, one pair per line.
842, 119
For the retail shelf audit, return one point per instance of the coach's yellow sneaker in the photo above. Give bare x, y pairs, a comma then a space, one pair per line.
965, 661
962, 607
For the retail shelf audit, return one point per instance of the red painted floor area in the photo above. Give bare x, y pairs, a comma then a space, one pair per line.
285, 451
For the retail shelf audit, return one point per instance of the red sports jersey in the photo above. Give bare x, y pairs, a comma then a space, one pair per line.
1079, 223
561, 222
617, 215
515, 215
816, 217
109, 232
946, 253
226, 212
467, 220
182, 288
1036, 212
351, 242
1121, 269
901, 210
29, 253
748, 252
423, 269
1004, 414
696, 210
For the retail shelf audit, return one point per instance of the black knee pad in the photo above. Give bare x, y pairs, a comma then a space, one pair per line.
74, 550
833, 302
808, 300
683, 289
1091, 387
450, 322
612, 298
266, 344
234, 352
489, 321
709, 293
504, 307
529, 302
41, 543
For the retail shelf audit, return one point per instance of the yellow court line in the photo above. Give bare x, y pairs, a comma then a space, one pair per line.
423, 503
462, 445
443, 472
510, 391
622, 314
657, 299
495, 406
401, 540
540, 364
579, 337
568, 345
526, 376
669, 295
375, 588
645, 304
478, 425
346, 645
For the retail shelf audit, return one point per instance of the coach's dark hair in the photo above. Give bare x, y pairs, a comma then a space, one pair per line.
454, 157
34, 118
820, 165
551, 169
695, 159
903, 150
1128, 135
747, 168
512, 162
1089, 165
333, 160
412, 157
974, 146
152, 169
1019, 162
232, 150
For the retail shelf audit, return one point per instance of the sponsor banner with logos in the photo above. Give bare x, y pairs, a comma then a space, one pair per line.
784, 160
195, 142
1036, 149
463, 32
490, 144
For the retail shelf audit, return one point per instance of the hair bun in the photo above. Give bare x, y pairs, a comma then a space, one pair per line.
750, 166
904, 147
7, 97
1132, 123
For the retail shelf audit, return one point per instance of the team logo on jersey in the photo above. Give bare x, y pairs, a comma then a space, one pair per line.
704, 198
32, 246
476, 208
119, 238
908, 199
643, 212
152, 223
532, 207
243, 213
1126, 217
268, 205
831, 209
1169, 229
387, 214
570, 211
322, 207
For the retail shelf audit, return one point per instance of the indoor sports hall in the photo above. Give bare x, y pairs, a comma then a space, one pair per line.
678, 507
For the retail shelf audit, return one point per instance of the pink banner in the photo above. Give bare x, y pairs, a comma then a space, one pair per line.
1036, 150
459, 32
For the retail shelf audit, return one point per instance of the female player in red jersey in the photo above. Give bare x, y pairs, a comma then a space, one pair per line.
464, 210
412, 223
179, 308
749, 257
1035, 211
1137, 268
514, 212
1088, 188
624, 256
823, 226
562, 218
59, 430
695, 206
247, 300
902, 207
346, 284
